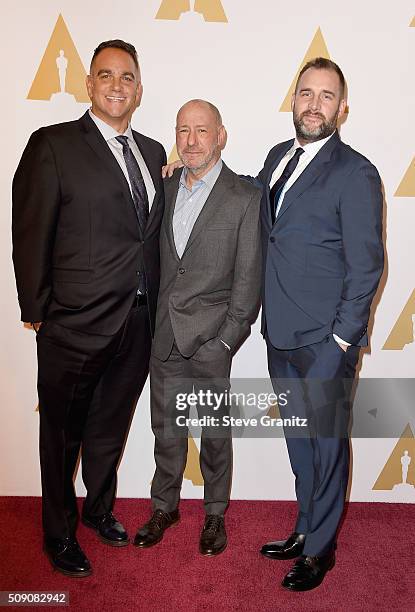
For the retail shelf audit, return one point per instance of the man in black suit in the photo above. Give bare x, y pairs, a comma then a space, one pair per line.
321, 218
87, 206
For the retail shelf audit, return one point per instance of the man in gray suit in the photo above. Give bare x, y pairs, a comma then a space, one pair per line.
209, 294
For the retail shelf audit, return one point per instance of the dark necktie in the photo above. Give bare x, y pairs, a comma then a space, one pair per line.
140, 198
138, 187
278, 186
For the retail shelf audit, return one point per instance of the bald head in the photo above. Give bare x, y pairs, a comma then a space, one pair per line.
202, 104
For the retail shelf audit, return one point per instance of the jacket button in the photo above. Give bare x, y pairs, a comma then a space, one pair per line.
181, 270
272, 239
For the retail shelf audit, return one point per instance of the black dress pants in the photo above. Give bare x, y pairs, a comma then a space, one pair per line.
88, 386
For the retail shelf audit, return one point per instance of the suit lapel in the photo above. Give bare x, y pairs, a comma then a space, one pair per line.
96, 141
216, 197
171, 188
277, 156
309, 175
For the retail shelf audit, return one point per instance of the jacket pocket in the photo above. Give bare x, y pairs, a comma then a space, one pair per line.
218, 297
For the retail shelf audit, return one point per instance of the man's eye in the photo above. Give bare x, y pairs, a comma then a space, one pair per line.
128, 78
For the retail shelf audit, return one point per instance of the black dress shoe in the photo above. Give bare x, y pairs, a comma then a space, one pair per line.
109, 530
67, 557
152, 532
285, 549
308, 572
213, 538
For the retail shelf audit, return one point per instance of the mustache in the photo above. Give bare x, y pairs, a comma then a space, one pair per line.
311, 114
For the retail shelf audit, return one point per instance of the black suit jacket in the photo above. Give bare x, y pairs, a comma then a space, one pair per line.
77, 245
323, 256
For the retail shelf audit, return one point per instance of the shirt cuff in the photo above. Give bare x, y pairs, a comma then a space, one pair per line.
340, 341
227, 345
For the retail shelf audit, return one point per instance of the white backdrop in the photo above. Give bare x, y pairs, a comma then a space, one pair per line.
245, 65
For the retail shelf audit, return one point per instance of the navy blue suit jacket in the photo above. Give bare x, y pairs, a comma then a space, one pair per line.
323, 257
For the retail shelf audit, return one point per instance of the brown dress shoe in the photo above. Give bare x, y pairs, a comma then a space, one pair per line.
213, 538
152, 532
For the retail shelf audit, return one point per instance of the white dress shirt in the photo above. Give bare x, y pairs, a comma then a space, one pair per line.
109, 135
310, 151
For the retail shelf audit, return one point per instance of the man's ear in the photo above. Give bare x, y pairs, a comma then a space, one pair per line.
89, 85
138, 95
222, 137
342, 108
292, 101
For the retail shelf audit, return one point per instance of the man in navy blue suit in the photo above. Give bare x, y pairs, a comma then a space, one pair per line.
323, 258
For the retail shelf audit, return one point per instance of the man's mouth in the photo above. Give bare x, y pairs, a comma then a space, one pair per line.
115, 98
312, 116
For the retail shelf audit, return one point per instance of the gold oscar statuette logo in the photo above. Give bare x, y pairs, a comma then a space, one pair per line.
274, 411
61, 73
317, 48
402, 335
209, 10
412, 24
398, 473
406, 187
174, 156
192, 471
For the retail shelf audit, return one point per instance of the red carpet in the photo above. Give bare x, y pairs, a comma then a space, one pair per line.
375, 567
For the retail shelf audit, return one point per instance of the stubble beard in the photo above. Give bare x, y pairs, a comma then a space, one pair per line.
196, 170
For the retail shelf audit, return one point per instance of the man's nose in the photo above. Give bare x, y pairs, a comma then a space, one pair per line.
315, 103
191, 138
116, 83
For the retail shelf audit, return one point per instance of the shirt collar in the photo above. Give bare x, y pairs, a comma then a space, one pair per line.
312, 148
107, 131
208, 179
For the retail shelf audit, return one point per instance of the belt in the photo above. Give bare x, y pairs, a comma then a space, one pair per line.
139, 300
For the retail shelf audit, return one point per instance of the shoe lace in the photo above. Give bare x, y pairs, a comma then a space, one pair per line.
70, 545
213, 522
158, 520
108, 518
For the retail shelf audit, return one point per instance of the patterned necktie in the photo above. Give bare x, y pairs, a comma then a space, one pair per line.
278, 186
138, 187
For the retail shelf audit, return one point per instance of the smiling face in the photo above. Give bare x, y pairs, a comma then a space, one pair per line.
200, 136
317, 104
114, 87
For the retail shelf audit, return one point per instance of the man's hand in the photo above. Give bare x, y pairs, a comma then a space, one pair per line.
168, 169
36, 325
343, 347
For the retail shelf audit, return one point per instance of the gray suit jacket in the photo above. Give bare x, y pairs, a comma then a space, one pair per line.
213, 290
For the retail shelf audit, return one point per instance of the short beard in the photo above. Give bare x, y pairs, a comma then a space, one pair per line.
325, 129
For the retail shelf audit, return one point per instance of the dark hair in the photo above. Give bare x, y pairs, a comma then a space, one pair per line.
322, 63
117, 44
